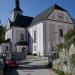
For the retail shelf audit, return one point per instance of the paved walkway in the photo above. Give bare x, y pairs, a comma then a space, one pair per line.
33, 66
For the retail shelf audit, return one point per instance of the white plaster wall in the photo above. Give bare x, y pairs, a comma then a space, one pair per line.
14, 35
67, 17
16, 31
46, 35
19, 48
52, 33
52, 27
39, 38
14, 15
8, 34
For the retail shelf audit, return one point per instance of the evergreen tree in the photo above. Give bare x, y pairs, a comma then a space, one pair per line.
2, 34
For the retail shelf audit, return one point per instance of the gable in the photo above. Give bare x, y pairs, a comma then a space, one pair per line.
62, 16
54, 12
45, 14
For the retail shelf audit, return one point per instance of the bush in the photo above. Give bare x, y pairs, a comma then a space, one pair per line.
55, 70
68, 74
61, 73
35, 54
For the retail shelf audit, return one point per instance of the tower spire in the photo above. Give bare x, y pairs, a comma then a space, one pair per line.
17, 3
17, 6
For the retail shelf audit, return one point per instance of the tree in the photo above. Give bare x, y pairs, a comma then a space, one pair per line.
60, 46
72, 62
73, 59
2, 34
69, 35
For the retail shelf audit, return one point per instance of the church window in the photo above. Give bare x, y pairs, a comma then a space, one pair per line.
61, 32
6, 48
60, 17
34, 48
22, 37
34, 36
23, 49
53, 17
52, 48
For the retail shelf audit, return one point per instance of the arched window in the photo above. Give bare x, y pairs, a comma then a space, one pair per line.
6, 48
23, 49
22, 37
52, 48
61, 32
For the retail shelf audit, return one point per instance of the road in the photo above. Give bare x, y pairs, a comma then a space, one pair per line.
32, 66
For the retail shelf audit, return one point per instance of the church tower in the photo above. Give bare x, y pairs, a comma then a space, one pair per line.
16, 11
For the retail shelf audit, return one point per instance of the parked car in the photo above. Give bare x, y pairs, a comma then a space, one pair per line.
10, 64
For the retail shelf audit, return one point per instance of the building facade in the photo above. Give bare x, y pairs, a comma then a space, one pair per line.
38, 35
49, 29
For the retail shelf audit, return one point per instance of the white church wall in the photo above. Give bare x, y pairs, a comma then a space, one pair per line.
48, 35
19, 48
52, 33
46, 38
52, 25
16, 32
64, 14
40, 38
8, 34
14, 35
38, 46
65, 24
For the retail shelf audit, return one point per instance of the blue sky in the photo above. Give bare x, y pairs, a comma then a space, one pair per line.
33, 7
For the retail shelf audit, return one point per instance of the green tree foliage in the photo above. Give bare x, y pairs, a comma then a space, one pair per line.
73, 59
69, 38
69, 35
60, 46
1, 34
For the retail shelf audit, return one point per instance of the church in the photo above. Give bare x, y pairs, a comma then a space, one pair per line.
36, 35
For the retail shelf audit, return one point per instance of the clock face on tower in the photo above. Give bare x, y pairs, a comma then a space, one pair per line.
60, 17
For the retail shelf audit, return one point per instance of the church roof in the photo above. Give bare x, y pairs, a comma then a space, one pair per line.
22, 21
20, 43
44, 15
17, 9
